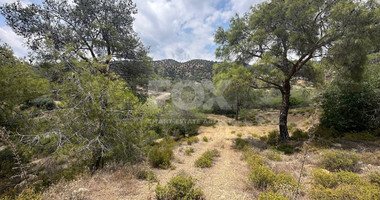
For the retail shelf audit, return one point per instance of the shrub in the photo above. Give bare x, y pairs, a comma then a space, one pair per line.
253, 159
273, 137
43, 102
325, 178
299, 135
286, 148
233, 132
239, 135
189, 151
160, 156
205, 139
179, 187
346, 106
147, 175
291, 126
272, 196
364, 136
207, 158
261, 176
334, 160
255, 135
374, 177
192, 140
348, 177
240, 143
29, 194
345, 191
285, 183
273, 156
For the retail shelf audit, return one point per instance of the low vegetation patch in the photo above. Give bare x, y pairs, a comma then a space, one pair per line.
179, 187
334, 160
192, 140
160, 156
271, 155
240, 143
342, 185
299, 135
205, 139
189, 151
207, 159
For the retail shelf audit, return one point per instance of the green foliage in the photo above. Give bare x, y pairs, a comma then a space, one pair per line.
207, 158
160, 156
253, 159
205, 139
192, 140
344, 191
273, 156
272, 196
342, 185
334, 160
374, 177
189, 151
239, 135
364, 136
179, 187
185, 123
325, 178
261, 176
273, 137
347, 107
29, 194
43, 102
240, 144
79, 28
286, 148
147, 175
299, 135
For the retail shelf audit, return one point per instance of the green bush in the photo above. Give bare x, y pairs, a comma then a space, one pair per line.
205, 139
346, 191
207, 159
189, 151
239, 135
43, 102
346, 106
374, 177
364, 136
272, 196
192, 140
285, 183
240, 143
325, 178
348, 178
253, 159
334, 160
147, 175
261, 176
160, 156
273, 137
179, 187
299, 135
286, 148
273, 156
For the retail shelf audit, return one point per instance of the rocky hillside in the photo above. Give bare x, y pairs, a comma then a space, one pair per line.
190, 70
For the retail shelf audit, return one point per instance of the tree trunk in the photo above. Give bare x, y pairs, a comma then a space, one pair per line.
284, 134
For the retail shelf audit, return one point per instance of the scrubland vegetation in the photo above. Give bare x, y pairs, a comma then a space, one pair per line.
301, 117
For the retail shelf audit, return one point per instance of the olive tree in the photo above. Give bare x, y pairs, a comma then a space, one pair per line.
282, 37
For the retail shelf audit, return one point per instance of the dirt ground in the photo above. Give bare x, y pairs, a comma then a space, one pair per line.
226, 179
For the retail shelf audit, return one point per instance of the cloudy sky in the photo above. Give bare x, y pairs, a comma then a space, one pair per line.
176, 29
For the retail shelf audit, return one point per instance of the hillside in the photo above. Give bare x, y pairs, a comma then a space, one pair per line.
190, 70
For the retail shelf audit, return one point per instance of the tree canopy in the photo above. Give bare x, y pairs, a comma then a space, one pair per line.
96, 30
282, 37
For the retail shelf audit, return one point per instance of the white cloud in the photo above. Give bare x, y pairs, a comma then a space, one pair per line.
184, 30
177, 29
16, 42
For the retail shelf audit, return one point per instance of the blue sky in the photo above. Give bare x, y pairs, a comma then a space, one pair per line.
175, 29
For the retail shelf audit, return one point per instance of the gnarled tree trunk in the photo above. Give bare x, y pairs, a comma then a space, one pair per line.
285, 91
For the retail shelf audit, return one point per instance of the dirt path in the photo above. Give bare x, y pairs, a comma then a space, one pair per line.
227, 178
